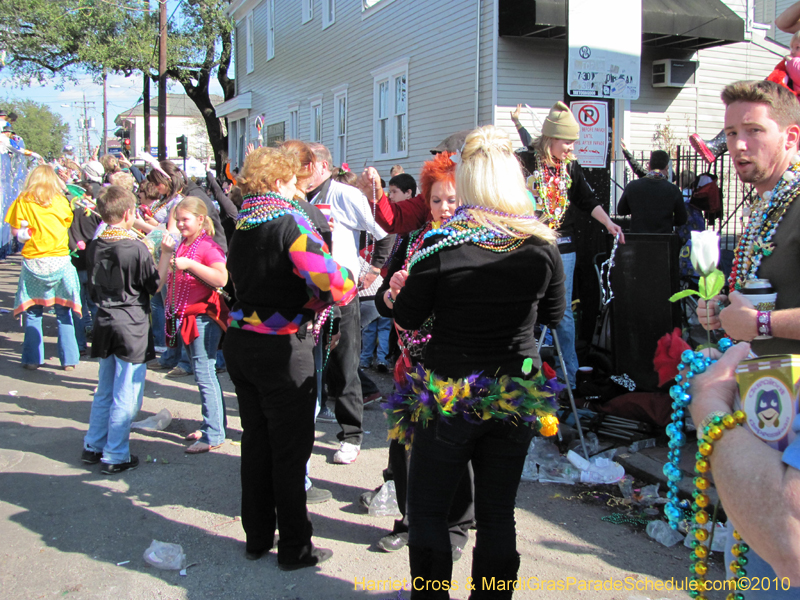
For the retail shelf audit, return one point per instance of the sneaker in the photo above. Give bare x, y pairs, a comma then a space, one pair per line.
154, 365
177, 373
364, 366
91, 458
372, 398
312, 559
347, 453
315, 495
326, 415
382, 367
393, 542
120, 467
222, 369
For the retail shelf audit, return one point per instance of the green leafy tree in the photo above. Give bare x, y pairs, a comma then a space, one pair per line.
43, 130
58, 41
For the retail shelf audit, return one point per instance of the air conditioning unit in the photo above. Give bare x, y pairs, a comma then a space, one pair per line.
672, 72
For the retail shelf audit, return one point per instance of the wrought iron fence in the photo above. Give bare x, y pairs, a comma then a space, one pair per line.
735, 194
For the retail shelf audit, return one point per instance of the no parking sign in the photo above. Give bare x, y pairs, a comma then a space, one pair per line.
592, 147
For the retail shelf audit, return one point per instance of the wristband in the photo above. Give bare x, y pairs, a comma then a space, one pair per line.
764, 323
389, 296
708, 419
375, 270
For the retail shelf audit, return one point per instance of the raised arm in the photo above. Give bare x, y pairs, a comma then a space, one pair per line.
789, 20
394, 217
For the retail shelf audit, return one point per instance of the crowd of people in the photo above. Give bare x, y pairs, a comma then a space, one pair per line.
294, 274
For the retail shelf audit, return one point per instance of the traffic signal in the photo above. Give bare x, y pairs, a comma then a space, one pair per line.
126, 147
182, 145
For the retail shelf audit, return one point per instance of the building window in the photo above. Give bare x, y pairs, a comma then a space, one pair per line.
316, 119
275, 134
308, 10
370, 6
391, 111
328, 13
294, 121
340, 125
270, 29
248, 24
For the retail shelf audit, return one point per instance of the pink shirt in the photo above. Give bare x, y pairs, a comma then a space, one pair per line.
208, 253
793, 70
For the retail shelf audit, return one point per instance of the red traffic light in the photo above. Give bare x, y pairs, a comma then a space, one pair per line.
127, 142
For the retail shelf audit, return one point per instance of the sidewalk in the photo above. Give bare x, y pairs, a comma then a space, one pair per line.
70, 532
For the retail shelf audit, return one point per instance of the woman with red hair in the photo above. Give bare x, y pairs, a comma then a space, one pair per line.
438, 188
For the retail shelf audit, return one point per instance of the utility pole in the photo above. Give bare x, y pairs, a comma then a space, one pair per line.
146, 97
85, 126
162, 80
105, 113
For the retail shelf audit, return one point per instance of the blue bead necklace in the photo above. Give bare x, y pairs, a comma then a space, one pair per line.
696, 363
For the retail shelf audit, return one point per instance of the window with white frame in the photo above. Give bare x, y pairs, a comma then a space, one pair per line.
248, 27
270, 29
328, 13
294, 121
390, 110
308, 10
340, 124
315, 134
373, 5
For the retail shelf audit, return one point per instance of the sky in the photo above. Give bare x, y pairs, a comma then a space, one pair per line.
123, 93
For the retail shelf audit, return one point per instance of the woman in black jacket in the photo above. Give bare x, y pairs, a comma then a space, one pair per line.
487, 277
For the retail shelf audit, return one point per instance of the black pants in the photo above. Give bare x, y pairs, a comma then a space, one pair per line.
341, 375
462, 511
275, 386
439, 457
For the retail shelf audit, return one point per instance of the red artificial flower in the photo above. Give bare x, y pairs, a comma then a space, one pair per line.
668, 355
345, 167
548, 371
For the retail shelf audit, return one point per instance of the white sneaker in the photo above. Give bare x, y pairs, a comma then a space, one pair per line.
347, 453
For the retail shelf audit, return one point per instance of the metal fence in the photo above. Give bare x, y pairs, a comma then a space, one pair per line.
735, 194
13, 171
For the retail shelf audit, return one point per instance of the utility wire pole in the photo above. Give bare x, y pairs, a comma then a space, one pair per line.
146, 99
85, 126
105, 113
162, 80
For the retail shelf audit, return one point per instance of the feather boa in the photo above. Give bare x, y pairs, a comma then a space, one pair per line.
477, 398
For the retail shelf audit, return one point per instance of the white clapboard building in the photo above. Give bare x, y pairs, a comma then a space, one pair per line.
383, 81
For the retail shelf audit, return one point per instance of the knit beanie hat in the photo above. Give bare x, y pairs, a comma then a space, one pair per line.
560, 123
94, 171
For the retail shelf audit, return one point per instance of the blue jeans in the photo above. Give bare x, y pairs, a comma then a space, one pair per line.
176, 357
318, 358
157, 319
120, 389
439, 456
82, 323
203, 355
374, 333
33, 345
566, 328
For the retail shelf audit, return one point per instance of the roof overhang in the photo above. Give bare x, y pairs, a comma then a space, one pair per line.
674, 24
237, 9
242, 102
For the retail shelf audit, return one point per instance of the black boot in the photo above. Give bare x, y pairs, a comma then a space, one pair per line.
431, 573
712, 149
493, 578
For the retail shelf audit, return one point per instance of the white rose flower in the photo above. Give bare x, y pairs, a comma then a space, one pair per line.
705, 251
